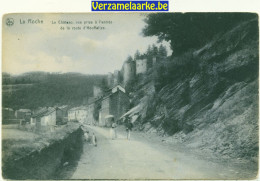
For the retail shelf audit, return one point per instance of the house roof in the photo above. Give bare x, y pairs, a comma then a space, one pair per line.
112, 93
24, 110
40, 113
9, 109
51, 110
45, 112
64, 106
78, 108
118, 87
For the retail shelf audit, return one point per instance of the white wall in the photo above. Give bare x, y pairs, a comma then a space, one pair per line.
141, 66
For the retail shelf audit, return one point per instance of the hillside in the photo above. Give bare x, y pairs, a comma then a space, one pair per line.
206, 98
38, 89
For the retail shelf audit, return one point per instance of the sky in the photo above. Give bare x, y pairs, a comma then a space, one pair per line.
45, 47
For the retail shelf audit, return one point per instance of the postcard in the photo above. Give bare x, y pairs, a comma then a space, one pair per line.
130, 96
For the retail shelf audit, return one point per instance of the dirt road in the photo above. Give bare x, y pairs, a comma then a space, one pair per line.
141, 159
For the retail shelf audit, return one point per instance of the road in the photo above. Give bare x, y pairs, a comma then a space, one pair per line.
141, 159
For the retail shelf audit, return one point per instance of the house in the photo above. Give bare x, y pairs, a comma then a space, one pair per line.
72, 114
64, 109
116, 103
52, 117
23, 113
97, 91
47, 118
78, 114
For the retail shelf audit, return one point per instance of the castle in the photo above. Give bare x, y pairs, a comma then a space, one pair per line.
113, 101
129, 71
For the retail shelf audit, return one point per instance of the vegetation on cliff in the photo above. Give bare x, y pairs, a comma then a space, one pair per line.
206, 94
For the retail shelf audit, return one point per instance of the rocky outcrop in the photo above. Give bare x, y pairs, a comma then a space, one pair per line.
208, 98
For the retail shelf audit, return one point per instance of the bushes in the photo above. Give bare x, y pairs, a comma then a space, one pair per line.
190, 30
55, 89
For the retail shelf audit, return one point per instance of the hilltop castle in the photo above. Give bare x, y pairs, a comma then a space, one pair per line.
113, 101
129, 71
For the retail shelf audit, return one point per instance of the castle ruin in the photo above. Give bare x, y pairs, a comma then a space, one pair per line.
141, 66
128, 71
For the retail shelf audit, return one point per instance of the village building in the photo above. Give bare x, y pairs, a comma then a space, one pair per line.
78, 114
72, 114
116, 103
97, 92
23, 113
141, 66
64, 109
47, 118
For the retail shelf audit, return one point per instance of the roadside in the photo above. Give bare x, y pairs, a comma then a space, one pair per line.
30, 155
148, 157
240, 168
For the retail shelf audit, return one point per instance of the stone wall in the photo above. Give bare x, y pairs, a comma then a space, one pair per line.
43, 164
141, 66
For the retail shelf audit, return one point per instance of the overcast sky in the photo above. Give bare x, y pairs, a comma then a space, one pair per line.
44, 47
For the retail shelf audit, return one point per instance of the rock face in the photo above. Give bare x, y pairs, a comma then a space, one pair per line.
208, 97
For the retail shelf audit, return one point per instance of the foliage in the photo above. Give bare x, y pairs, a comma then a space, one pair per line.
137, 55
190, 30
129, 59
49, 89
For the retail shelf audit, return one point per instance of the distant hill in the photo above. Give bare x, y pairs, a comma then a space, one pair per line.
36, 89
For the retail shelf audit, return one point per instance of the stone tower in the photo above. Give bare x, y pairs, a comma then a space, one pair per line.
154, 61
116, 77
128, 71
141, 66
110, 79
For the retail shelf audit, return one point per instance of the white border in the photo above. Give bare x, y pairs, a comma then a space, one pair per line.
64, 6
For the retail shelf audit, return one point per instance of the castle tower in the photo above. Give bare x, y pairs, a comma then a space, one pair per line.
154, 61
116, 77
141, 66
128, 71
110, 79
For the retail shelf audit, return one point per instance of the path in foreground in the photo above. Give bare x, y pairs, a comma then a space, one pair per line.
140, 159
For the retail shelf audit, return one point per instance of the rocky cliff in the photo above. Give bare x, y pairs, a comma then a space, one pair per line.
206, 98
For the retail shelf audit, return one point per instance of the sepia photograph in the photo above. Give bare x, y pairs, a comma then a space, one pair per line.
163, 96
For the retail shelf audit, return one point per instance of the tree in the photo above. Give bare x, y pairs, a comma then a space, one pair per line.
154, 50
149, 51
129, 58
162, 51
149, 56
190, 30
137, 55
